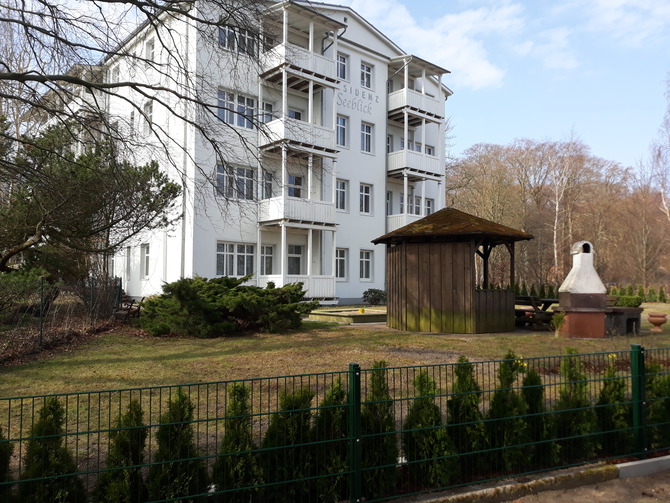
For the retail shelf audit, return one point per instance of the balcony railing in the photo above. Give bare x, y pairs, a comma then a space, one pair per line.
295, 208
300, 57
415, 160
416, 100
287, 129
394, 222
317, 287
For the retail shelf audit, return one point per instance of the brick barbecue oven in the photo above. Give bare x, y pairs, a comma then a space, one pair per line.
583, 296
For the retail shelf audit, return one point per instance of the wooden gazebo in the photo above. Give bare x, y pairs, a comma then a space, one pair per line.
431, 281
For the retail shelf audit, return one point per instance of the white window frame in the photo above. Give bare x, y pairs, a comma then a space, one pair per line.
342, 195
342, 130
389, 143
389, 202
367, 131
149, 52
268, 185
365, 202
365, 272
342, 62
241, 40
145, 260
430, 150
429, 206
295, 114
295, 186
148, 117
294, 252
267, 112
235, 182
367, 71
267, 259
341, 264
234, 259
236, 109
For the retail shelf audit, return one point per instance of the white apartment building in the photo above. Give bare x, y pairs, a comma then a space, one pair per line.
329, 135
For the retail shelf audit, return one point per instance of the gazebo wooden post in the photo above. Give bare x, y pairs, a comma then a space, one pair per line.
510, 249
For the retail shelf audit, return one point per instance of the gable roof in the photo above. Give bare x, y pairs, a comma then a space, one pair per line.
450, 225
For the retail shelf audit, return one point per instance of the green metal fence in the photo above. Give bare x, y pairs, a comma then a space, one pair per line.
373, 434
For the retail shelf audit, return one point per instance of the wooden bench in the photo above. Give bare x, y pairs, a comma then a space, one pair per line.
536, 313
126, 309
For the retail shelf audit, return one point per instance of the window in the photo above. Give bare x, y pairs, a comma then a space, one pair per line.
149, 52
341, 187
235, 109
341, 263
366, 75
233, 259
294, 259
295, 114
294, 186
267, 252
389, 143
267, 185
234, 183
389, 203
366, 137
341, 131
342, 64
430, 150
266, 114
144, 257
366, 265
366, 198
417, 205
430, 205
115, 75
238, 39
148, 111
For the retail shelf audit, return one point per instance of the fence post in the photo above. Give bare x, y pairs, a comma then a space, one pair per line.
638, 376
354, 423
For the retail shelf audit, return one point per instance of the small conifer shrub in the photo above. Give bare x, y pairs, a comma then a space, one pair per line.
661, 295
124, 482
177, 472
542, 454
614, 413
651, 295
658, 412
50, 472
431, 456
237, 466
379, 445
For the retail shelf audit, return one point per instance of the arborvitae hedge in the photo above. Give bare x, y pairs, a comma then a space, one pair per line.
237, 466
658, 411
505, 426
661, 295
467, 428
6, 449
47, 459
176, 471
124, 484
651, 295
430, 452
330, 458
539, 424
614, 414
576, 421
379, 447
287, 457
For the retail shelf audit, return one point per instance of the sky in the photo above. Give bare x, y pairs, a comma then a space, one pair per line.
597, 70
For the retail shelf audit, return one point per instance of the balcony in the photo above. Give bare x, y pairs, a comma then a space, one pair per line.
416, 101
415, 161
394, 222
300, 132
294, 208
299, 58
317, 287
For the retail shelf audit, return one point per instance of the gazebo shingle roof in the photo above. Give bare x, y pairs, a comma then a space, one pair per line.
450, 224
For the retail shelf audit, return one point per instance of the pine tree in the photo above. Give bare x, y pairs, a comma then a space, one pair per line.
465, 418
237, 466
286, 461
124, 483
429, 450
50, 472
379, 445
177, 472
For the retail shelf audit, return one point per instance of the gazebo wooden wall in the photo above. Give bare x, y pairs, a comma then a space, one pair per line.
432, 288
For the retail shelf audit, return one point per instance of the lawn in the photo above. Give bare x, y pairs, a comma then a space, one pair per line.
126, 358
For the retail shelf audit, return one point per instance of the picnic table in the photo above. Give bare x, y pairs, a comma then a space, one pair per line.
532, 310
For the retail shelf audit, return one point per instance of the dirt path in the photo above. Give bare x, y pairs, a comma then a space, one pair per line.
649, 489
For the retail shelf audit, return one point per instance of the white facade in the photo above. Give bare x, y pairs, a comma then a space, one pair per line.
330, 136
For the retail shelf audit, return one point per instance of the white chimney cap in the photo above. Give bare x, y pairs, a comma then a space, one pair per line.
583, 277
